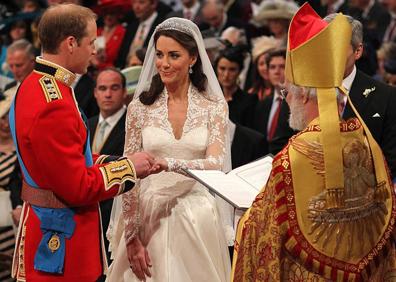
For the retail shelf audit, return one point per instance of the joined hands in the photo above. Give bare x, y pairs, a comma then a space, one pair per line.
145, 164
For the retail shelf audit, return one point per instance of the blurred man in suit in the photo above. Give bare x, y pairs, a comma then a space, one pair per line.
107, 130
139, 29
20, 60
191, 10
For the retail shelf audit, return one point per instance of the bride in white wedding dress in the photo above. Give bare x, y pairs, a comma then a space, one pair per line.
169, 228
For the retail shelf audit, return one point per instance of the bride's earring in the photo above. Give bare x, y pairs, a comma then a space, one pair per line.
190, 70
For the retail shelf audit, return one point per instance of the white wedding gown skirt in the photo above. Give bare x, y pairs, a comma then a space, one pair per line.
179, 219
183, 233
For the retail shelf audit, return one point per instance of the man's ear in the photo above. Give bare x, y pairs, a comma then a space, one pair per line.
359, 51
71, 43
305, 96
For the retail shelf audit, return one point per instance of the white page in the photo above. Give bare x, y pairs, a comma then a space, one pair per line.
255, 173
231, 188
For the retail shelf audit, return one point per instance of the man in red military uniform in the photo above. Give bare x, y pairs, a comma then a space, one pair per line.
59, 238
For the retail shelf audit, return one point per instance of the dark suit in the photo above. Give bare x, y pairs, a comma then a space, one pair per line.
247, 145
374, 24
283, 131
241, 108
84, 93
261, 115
130, 32
378, 110
114, 145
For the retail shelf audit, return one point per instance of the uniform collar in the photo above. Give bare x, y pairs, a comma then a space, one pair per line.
52, 69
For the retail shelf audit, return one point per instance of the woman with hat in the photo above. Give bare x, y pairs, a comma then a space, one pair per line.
10, 184
112, 33
276, 14
261, 47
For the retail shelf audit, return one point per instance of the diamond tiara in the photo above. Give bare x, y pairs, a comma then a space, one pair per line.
174, 25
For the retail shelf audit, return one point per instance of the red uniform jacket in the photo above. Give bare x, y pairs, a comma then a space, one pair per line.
51, 139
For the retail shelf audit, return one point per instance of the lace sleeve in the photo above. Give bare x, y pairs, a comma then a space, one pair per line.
216, 150
133, 144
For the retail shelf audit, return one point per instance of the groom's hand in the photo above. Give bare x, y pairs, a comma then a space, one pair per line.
142, 162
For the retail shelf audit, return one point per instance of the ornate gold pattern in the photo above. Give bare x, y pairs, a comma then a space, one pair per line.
118, 172
50, 88
54, 243
360, 206
101, 159
61, 74
272, 224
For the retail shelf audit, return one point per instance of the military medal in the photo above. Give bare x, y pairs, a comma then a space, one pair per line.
54, 243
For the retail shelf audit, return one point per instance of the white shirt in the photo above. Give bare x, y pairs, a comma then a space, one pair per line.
111, 120
147, 23
78, 77
336, 5
347, 84
368, 8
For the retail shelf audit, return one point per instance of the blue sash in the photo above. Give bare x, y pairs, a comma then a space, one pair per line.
57, 225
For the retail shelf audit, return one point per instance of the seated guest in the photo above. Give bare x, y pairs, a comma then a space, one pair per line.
111, 34
138, 31
20, 60
191, 10
272, 113
261, 84
107, 130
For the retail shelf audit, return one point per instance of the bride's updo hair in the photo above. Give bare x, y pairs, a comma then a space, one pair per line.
198, 78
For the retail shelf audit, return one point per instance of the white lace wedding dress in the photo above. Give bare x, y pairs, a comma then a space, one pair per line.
175, 217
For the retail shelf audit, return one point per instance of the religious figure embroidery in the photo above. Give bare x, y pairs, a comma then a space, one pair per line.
363, 210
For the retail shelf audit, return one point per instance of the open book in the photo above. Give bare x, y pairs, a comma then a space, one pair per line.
240, 186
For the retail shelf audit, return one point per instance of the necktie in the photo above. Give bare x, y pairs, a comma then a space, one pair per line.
274, 121
100, 136
390, 31
138, 41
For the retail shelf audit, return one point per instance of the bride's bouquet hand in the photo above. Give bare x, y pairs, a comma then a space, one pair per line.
139, 259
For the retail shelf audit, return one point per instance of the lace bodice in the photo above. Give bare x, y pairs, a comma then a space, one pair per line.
202, 144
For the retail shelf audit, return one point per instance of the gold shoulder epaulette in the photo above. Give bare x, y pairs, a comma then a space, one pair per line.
50, 88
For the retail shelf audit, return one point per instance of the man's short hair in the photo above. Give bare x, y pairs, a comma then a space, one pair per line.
113, 69
279, 52
61, 21
24, 46
357, 29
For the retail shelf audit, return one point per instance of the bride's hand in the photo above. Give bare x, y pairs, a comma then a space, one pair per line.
161, 164
139, 259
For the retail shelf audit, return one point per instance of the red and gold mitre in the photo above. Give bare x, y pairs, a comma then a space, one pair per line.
339, 202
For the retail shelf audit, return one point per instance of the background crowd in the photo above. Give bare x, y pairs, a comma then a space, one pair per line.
246, 42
